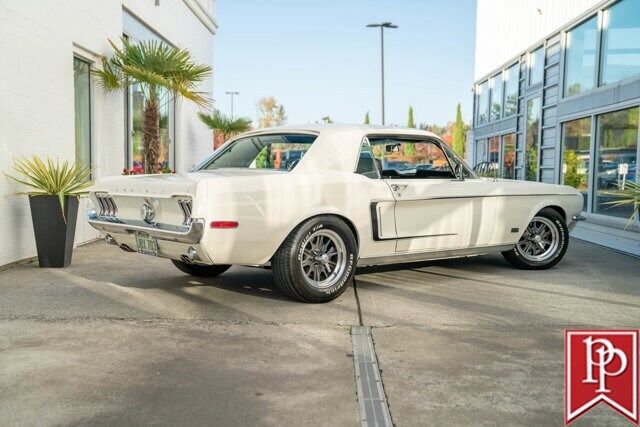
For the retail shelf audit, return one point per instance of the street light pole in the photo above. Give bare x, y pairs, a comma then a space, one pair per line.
232, 94
382, 26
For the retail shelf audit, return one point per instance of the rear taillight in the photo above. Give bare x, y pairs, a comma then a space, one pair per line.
108, 208
224, 224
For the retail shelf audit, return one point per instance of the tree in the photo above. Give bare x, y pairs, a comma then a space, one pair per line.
366, 118
270, 113
327, 119
227, 126
410, 123
410, 148
458, 133
163, 73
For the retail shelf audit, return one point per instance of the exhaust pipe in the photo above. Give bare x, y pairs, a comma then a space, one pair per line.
110, 240
192, 254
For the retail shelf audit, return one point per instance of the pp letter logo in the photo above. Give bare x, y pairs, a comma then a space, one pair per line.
601, 366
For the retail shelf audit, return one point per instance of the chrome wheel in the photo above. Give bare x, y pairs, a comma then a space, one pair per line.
323, 258
540, 240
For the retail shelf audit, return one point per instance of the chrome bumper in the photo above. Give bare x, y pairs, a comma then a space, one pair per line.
574, 220
191, 234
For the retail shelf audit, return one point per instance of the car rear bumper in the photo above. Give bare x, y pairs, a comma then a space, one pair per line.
174, 242
191, 234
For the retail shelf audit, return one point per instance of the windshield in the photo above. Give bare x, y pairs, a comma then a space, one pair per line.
278, 152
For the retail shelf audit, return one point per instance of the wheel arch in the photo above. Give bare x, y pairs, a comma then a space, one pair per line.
346, 220
558, 209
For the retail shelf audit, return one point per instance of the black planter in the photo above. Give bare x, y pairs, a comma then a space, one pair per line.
54, 236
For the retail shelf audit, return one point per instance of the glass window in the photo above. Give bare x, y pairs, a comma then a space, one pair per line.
534, 112
82, 105
580, 57
494, 151
136, 108
509, 156
367, 164
488, 165
621, 41
481, 151
482, 115
617, 150
512, 77
402, 158
278, 151
496, 97
536, 66
576, 157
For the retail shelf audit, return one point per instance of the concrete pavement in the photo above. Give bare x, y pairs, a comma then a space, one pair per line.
126, 339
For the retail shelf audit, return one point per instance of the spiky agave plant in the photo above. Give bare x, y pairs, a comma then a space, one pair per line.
163, 73
52, 178
628, 194
228, 126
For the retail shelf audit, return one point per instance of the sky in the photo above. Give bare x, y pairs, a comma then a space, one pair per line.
317, 58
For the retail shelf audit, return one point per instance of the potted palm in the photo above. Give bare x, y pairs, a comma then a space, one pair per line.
53, 190
628, 194
227, 126
163, 73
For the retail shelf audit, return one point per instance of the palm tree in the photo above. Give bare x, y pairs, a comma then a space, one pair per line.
226, 125
628, 194
163, 73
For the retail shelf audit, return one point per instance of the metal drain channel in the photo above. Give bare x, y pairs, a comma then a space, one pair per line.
374, 409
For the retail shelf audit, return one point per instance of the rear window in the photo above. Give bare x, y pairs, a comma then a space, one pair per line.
277, 151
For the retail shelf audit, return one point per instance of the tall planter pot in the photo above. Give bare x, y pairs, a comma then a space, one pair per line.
54, 235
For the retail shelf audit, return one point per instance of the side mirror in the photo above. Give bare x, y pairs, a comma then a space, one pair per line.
458, 171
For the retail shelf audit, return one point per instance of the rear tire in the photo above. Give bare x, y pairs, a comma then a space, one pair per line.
543, 244
200, 270
316, 262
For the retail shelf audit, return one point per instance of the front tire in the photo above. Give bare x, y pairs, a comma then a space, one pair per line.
543, 244
317, 260
200, 270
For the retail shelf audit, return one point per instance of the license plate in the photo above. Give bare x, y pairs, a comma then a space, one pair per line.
147, 245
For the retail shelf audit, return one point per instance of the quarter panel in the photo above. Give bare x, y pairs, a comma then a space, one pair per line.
269, 208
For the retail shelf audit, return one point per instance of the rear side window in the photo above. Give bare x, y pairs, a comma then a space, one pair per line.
407, 158
277, 151
367, 164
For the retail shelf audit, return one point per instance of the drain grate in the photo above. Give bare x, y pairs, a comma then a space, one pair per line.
374, 409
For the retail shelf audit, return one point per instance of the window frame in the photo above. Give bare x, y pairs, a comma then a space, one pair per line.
601, 40
135, 31
478, 95
450, 156
530, 54
525, 157
595, 153
90, 65
591, 167
562, 83
502, 154
355, 169
202, 166
491, 86
505, 70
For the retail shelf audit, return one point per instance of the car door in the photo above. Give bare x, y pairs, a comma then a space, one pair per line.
434, 210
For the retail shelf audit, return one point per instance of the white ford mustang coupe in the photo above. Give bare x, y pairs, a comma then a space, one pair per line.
315, 202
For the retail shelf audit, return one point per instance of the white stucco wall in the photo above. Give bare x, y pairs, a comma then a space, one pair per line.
38, 40
506, 27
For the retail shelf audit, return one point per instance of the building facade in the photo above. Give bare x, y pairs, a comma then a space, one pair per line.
51, 106
557, 100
